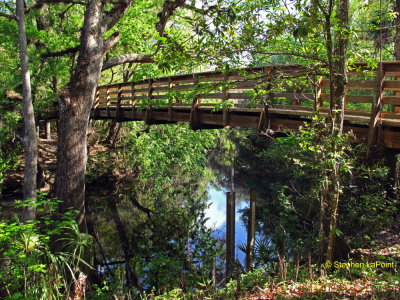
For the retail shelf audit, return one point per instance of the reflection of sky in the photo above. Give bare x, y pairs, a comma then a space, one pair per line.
216, 214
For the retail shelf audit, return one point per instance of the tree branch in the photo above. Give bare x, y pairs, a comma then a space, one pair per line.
199, 10
11, 17
168, 10
127, 58
61, 53
40, 3
111, 42
12, 95
112, 16
288, 54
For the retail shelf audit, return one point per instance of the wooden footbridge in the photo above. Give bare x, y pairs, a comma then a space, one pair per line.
271, 98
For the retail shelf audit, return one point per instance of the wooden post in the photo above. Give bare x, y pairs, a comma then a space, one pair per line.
318, 91
118, 108
96, 103
375, 112
108, 101
296, 99
396, 107
133, 101
267, 73
149, 109
170, 99
48, 130
264, 119
230, 234
193, 121
251, 230
225, 98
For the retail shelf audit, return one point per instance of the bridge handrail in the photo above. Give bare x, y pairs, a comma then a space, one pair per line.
367, 96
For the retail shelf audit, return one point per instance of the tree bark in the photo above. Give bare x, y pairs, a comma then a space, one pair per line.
127, 58
393, 158
75, 104
338, 69
77, 98
397, 34
338, 85
336, 45
29, 139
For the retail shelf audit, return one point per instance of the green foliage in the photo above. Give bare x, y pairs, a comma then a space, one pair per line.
9, 148
171, 180
294, 169
39, 259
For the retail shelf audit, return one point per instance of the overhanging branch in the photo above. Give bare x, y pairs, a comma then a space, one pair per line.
127, 58
112, 16
39, 4
61, 53
111, 42
168, 10
11, 17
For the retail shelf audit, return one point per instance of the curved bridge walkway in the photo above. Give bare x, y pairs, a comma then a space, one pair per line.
265, 98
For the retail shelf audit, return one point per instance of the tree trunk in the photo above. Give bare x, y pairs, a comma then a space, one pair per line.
338, 84
336, 45
75, 105
29, 139
397, 34
393, 158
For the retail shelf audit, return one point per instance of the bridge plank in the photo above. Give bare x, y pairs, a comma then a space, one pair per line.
394, 100
391, 85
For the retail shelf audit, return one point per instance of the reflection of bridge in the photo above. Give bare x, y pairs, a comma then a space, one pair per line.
289, 96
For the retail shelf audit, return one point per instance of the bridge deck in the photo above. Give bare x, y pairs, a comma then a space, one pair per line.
272, 97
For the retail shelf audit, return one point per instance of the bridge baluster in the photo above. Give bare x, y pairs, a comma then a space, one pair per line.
170, 99
375, 111
225, 92
318, 91
193, 113
133, 101
108, 102
296, 100
118, 107
96, 103
396, 108
150, 96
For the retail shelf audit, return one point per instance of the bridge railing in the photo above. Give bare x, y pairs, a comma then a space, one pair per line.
371, 94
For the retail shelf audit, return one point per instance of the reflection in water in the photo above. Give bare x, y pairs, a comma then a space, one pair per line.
216, 214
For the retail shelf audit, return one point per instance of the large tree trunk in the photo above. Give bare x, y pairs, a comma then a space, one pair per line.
29, 139
75, 104
393, 157
397, 36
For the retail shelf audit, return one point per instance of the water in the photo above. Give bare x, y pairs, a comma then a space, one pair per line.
217, 218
